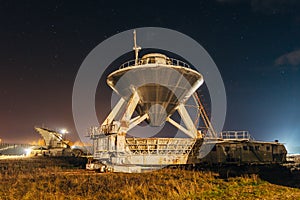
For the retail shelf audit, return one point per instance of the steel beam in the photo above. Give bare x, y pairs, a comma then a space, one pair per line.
187, 132
125, 120
137, 120
187, 120
114, 112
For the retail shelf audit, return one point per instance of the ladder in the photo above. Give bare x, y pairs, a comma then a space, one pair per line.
203, 114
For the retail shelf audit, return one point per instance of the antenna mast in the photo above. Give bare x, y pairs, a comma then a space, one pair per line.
136, 48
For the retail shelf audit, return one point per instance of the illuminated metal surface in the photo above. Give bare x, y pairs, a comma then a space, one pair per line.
158, 82
52, 138
154, 86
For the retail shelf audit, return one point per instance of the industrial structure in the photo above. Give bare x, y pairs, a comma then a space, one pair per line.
152, 88
55, 144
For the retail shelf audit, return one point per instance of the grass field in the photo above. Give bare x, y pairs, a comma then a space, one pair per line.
58, 183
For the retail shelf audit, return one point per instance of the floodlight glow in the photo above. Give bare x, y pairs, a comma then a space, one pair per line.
28, 151
63, 131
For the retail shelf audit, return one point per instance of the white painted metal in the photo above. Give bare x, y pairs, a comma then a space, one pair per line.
137, 120
125, 120
154, 86
187, 120
187, 132
136, 48
114, 112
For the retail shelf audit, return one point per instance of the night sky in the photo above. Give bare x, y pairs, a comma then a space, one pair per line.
254, 43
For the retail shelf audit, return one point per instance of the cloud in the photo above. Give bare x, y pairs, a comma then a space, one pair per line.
268, 6
291, 58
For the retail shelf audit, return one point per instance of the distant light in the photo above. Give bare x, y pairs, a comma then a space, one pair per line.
63, 131
27, 151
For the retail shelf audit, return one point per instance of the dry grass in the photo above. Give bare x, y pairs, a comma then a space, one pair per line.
57, 183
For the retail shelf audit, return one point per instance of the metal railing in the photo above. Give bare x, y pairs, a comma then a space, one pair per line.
236, 135
179, 63
96, 132
128, 64
160, 146
169, 61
